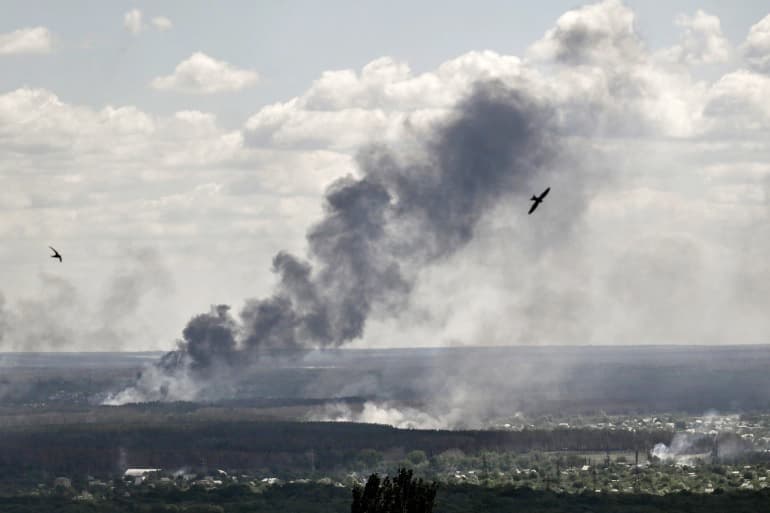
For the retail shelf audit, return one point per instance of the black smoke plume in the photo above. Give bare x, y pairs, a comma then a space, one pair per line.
406, 210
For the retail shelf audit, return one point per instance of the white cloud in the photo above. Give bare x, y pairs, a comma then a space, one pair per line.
36, 123
132, 20
702, 41
344, 109
202, 74
593, 34
35, 40
162, 23
737, 105
601, 77
605, 79
756, 48
112, 164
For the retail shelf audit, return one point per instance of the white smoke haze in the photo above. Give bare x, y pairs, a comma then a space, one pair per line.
402, 417
58, 317
181, 386
677, 451
654, 231
709, 434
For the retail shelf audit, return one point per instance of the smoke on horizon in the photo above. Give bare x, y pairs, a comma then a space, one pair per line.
413, 205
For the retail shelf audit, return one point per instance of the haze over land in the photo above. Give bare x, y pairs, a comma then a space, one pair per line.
430, 388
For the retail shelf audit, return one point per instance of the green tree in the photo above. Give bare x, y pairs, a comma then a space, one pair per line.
402, 494
370, 458
416, 457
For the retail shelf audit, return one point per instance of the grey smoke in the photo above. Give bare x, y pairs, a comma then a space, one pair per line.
43, 321
141, 272
411, 206
56, 316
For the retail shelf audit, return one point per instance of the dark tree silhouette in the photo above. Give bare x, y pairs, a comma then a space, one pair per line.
402, 494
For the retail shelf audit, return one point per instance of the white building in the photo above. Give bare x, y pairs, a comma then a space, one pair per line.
139, 475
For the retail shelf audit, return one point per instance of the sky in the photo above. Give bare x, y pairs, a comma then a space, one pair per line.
169, 150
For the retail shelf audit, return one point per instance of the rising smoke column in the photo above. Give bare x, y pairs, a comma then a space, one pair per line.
404, 212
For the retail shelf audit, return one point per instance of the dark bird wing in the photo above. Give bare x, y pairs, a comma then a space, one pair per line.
545, 193
55, 253
533, 207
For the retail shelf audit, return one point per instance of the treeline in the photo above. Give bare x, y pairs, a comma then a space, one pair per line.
461, 499
280, 447
315, 498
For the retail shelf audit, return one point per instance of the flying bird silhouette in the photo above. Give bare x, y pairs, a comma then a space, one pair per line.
55, 254
538, 200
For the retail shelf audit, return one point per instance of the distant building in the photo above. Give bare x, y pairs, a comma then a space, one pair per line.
138, 475
63, 482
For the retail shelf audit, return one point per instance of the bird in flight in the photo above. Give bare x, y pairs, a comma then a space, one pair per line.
55, 254
538, 200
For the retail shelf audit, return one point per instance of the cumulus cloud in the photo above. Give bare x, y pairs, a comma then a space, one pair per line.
607, 80
702, 41
112, 166
344, 109
202, 74
756, 48
737, 105
602, 77
132, 20
36, 119
36, 40
162, 23
598, 33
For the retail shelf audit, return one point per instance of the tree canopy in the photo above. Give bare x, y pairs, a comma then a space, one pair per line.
401, 494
